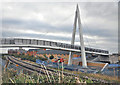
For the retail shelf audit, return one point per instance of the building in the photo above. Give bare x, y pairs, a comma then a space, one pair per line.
16, 51
114, 58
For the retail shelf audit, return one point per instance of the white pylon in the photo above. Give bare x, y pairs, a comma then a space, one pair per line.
77, 16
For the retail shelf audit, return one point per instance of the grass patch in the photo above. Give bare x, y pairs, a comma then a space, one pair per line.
97, 76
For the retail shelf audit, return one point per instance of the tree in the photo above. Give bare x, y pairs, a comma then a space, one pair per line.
51, 57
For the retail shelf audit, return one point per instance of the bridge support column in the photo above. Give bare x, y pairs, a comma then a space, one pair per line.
73, 39
84, 63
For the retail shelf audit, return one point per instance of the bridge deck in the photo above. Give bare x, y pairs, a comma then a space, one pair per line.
17, 42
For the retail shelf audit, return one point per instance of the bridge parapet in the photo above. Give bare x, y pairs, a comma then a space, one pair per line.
19, 41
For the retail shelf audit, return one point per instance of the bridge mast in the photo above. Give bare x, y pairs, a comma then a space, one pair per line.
77, 16
73, 38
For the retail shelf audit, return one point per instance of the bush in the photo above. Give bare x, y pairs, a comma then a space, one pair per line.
51, 57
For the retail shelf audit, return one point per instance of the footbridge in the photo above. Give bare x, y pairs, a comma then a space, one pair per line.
34, 43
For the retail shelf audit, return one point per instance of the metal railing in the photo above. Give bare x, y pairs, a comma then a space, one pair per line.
18, 41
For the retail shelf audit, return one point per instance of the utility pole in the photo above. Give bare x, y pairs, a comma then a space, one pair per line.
77, 17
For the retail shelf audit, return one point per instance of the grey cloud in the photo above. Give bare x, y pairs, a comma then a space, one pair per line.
40, 26
106, 10
33, 25
40, 36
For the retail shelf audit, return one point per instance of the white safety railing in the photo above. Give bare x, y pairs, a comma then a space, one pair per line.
18, 41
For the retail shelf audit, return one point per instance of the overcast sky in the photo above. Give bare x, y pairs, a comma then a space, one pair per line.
54, 21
